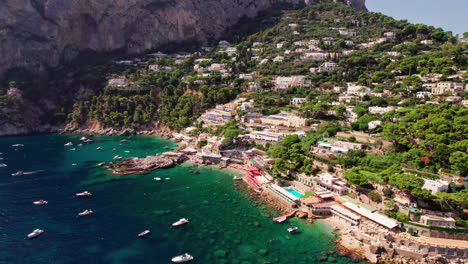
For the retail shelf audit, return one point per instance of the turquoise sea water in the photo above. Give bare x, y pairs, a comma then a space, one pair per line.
226, 225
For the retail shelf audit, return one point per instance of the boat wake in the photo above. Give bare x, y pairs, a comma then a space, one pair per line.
32, 172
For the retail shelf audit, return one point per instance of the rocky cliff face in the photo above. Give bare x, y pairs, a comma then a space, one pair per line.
41, 34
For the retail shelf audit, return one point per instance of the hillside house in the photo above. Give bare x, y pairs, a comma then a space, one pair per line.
328, 66
298, 101
447, 87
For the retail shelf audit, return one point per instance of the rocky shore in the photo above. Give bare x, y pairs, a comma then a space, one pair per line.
145, 165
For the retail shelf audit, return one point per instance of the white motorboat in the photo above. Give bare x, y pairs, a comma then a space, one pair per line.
85, 212
85, 193
123, 140
73, 149
79, 145
144, 233
182, 221
157, 178
292, 229
3, 165
117, 157
127, 151
83, 139
237, 178
69, 144
182, 258
19, 173
88, 141
98, 148
35, 233
167, 178
17, 145
40, 202
280, 219
74, 164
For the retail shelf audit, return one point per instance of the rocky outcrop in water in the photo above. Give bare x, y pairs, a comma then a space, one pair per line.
145, 165
41, 34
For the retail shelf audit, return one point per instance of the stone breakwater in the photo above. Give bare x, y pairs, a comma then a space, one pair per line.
145, 165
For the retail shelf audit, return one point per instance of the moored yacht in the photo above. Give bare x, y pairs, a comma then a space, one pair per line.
35, 233
182, 258
69, 144
19, 173
2, 165
117, 157
40, 202
83, 139
86, 212
292, 229
17, 145
182, 221
98, 148
144, 233
123, 140
85, 193
280, 219
157, 178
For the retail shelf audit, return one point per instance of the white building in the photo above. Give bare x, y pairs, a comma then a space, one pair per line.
265, 136
246, 106
435, 186
427, 42
328, 66
355, 89
278, 59
298, 101
380, 110
389, 35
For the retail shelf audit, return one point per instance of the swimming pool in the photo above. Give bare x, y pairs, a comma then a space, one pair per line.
295, 193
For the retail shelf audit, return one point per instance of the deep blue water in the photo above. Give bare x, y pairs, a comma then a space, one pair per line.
226, 226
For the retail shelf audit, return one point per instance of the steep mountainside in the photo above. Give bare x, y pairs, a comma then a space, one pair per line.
40, 34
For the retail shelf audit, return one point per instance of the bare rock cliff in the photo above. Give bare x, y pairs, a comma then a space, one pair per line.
41, 34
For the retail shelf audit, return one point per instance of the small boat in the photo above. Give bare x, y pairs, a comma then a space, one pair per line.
280, 219
85, 212
3, 165
167, 178
79, 145
182, 258
117, 157
35, 233
98, 148
127, 151
292, 229
83, 139
123, 140
40, 202
144, 233
19, 173
85, 193
69, 144
88, 141
157, 178
74, 164
17, 145
237, 178
182, 221
73, 149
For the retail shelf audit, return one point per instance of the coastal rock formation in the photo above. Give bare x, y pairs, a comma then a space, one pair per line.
145, 165
40, 34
